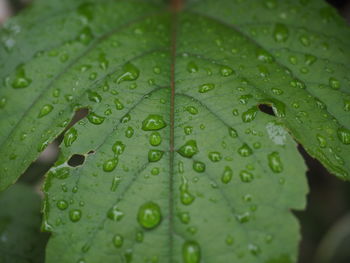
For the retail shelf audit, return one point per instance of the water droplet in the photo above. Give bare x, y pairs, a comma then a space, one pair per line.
95, 119
250, 114
206, 87
245, 150
227, 175
155, 139
74, 215
192, 110
149, 215
62, 204
232, 132
153, 122
192, 67
344, 135
186, 197
226, 71
155, 155
85, 36
131, 73
21, 80
110, 165
191, 252
70, 136
334, 83
215, 156
118, 240
94, 96
129, 132
275, 162
189, 149
246, 177
46, 109
198, 166
3, 101
264, 56
322, 142
185, 217
118, 104
254, 249
305, 41
115, 183
115, 213
310, 59
118, 147
139, 236
280, 33
346, 105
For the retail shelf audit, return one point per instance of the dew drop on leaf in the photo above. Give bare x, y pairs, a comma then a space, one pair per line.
155, 139
246, 176
115, 214
189, 149
198, 166
75, 215
95, 119
153, 122
46, 109
227, 175
280, 33
70, 136
245, 150
206, 88
118, 240
118, 147
344, 135
275, 162
155, 155
149, 215
131, 73
191, 252
110, 165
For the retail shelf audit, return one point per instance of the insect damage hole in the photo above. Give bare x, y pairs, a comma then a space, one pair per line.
76, 160
266, 109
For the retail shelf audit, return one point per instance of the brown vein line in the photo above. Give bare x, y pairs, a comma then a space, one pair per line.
175, 7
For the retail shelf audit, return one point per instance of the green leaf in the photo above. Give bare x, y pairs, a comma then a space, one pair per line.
20, 237
180, 165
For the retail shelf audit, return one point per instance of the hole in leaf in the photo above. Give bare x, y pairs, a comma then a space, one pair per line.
266, 109
76, 160
91, 152
79, 115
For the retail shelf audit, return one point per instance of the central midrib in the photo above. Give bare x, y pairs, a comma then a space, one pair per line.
175, 7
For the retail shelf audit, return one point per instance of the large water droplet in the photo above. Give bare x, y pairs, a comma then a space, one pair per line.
245, 150
191, 252
189, 149
153, 122
95, 119
130, 73
149, 215
74, 215
155, 155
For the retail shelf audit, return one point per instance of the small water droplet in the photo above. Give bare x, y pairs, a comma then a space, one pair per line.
192, 67
192, 110
245, 150
206, 88
226, 71
250, 114
155, 155
115, 213
21, 80
155, 139
198, 166
118, 147
281, 33
215, 156
275, 162
227, 175
118, 240
118, 104
334, 83
129, 132
46, 109
70, 136
62, 204
94, 96
246, 176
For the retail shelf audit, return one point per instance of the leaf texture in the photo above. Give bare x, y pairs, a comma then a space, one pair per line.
180, 164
